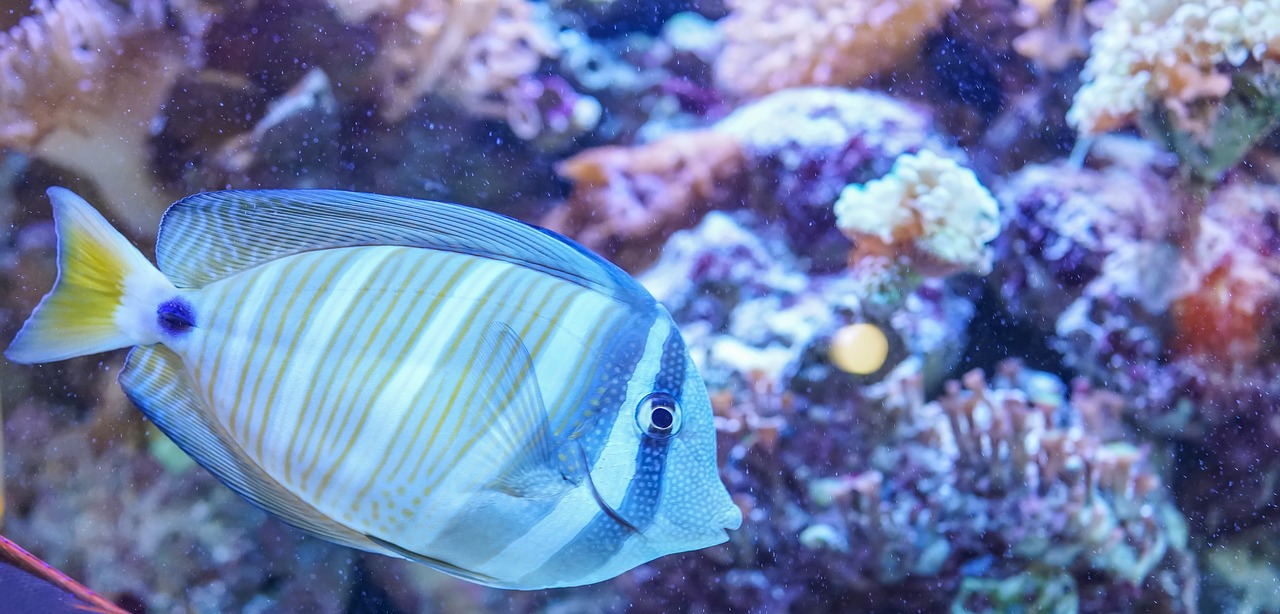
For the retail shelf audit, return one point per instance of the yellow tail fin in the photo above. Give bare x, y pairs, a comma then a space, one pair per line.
89, 309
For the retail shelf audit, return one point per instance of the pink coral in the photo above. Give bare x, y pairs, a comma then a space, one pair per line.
475, 52
776, 44
627, 200
80, 84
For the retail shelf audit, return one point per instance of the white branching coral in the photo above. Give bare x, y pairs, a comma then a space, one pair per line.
1171, 51
81, 82
928, 210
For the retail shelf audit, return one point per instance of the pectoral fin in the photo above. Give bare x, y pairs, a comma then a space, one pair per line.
510, 417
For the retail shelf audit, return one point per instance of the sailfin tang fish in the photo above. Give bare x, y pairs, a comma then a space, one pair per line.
412, 378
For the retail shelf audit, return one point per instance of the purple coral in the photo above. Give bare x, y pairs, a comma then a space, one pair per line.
1177, 315
1063, 223
807, 144
984, 499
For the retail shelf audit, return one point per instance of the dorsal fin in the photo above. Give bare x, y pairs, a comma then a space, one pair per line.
209, 236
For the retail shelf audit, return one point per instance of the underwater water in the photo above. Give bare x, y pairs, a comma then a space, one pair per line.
985, 295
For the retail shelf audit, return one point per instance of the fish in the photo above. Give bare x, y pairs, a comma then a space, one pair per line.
418, 379
29, 584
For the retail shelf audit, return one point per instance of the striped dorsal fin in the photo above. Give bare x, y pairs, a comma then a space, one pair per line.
209, 236
156, 381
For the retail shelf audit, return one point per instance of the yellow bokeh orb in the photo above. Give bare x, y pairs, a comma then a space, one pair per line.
860, 349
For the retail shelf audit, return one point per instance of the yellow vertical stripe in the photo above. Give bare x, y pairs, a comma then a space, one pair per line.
279, 323
437, 475
297, 444
396, 338
291, 353
460, 273
422, 416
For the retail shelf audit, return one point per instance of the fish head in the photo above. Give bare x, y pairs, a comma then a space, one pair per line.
660, 488
694, 510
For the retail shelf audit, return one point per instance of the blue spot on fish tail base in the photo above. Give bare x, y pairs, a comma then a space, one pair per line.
175, 316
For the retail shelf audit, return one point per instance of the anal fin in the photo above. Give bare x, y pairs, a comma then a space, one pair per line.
446, 567
155, 379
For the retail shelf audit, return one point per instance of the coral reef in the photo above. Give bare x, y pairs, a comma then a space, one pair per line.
476, 53
1184, 327
1129, 305
1066, 224
1223, 309
606, 18
1056, 32
752, 313
992, 497
771, 46
112, 516
296, 143
81, 82
1055, 478
1172, 53
807, 144
929, 214
801, 184
627, 199
1200, 78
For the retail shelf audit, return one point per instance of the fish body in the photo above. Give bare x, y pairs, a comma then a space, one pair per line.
418, 379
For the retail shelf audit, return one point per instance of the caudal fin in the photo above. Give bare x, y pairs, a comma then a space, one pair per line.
98, 273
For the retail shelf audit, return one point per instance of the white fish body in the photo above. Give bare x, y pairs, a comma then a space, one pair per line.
417, 379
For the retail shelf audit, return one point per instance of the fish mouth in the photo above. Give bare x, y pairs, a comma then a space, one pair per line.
730, 519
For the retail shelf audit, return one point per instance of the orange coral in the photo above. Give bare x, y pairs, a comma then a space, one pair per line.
80, 83
1174, 52
929, 212
1225, 306
627, 200
776, 44
1057, 32
475, 52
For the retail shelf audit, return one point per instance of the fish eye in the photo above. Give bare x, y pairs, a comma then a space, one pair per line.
658, 415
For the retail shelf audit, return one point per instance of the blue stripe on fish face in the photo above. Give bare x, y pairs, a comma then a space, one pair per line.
602, 397
670, 377
594, 545
641, 502
605, 394
601, 540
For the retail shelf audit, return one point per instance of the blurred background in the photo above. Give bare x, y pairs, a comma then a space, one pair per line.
985, 292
